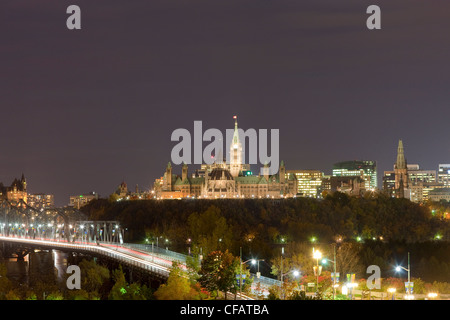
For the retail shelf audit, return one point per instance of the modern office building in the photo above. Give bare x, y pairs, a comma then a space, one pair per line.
366, 169
420, 176
308, 182
440, 194
444, 174
325, 186
420, 192
389, 182
41, 200
81, 200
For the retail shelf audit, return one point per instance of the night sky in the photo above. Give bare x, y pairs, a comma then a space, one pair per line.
83, 110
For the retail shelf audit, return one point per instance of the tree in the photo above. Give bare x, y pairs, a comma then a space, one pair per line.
12, 295
113, 197
347, 259
301, 295
218, 272
95, 282
54, 296
5, 283
93, 276
124, 291
80, 295
178, 287
274, 293
209, 230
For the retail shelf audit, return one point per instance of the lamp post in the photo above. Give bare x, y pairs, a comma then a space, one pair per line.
317, 255
256, 261
253, 261
409, 274
334, 278
392, 291
296, 274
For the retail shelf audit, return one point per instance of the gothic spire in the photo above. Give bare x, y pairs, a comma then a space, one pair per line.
236, 132
401, 161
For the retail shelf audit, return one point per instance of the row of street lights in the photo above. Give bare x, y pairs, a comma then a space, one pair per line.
317, 255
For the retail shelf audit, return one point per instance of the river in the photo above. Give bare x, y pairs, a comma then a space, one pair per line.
37, 262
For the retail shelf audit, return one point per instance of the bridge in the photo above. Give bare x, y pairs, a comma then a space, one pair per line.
25, 228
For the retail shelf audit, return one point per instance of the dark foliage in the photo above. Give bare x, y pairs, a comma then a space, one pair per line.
387, 228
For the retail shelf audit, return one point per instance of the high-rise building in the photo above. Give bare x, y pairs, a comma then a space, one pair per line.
366, 169
420, 176
81, 200
420, 182
420, 192
444, 174
308, 182
325, 186
41, 200
389, 182
440, 194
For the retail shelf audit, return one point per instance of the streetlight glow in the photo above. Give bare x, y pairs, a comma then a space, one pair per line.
317, 254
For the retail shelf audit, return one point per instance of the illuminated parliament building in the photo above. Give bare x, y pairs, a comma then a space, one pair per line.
226, 180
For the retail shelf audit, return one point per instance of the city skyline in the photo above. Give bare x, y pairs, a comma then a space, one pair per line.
192, 168
90, 108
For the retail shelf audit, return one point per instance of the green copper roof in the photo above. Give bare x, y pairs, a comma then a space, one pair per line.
248, 179
197, 180
178, 182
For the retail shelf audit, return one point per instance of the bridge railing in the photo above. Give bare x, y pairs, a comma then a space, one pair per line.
268, 282
108, 252
157, 251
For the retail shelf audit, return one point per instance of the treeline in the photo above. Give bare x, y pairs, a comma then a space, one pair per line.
97, 283
382, 229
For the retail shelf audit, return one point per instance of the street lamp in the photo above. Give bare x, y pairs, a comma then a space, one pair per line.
324, 261
432, 295
317, 255
351, 286
409, 275
392, 291
253, 261
295, 272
